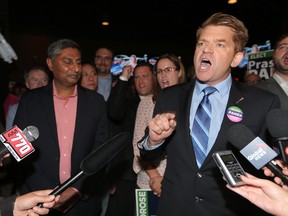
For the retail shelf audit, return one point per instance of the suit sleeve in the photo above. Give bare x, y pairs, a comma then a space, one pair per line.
116, 106
6, 205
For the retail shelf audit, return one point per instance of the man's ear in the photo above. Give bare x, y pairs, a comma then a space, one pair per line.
237, 59
49, 63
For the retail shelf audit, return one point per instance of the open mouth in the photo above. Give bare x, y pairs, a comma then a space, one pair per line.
205, 63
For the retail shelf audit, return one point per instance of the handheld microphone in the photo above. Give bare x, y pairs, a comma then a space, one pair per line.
277, 124
255, 150
17, 142
96, 160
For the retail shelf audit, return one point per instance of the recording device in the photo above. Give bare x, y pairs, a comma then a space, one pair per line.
6, 51
277, 124
17, 142
229, 167
255, 150
96, 160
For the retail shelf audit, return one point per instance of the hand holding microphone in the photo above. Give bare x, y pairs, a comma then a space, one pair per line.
255, 150
263, 193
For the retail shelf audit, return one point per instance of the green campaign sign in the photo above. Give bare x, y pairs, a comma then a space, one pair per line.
261, 63
146, 205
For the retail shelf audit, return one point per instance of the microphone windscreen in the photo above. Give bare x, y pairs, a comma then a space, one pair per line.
277, 123
240, 136
105, 153
31, 133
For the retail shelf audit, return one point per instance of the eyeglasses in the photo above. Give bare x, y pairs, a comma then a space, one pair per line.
101, 58
166, 70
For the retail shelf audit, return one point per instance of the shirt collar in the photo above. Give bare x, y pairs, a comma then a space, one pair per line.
142, 97
279, 79
223, 87
75, 92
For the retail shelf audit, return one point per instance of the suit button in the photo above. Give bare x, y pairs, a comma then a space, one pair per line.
198, 199
199, 175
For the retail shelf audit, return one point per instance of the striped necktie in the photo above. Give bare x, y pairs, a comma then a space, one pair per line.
201, 126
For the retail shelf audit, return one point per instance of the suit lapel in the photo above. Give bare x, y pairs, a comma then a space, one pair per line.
80, 109
48, 107
189, 151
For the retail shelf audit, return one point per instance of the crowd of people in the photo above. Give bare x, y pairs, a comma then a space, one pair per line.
77, 105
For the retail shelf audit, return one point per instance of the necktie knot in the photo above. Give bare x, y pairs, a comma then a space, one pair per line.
209, 90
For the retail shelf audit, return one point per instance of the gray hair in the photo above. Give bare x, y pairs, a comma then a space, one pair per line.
56, 47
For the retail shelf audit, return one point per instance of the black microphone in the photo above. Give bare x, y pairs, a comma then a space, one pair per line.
96, 160
254, 149
17, 142
277, 124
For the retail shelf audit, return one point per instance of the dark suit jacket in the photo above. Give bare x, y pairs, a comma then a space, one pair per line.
6, 205
41, 169
187, 190
272, 86
122, 107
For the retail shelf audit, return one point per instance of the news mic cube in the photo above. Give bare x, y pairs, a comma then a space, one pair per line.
16, 143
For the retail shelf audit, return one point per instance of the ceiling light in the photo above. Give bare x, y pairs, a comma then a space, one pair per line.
105, 19
105, 23
232, 1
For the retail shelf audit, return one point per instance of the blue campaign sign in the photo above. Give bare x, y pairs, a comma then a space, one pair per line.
253, 49
122, 60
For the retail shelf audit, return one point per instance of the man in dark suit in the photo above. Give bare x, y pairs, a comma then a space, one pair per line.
72, 121
278, 83
189, 187
122, 106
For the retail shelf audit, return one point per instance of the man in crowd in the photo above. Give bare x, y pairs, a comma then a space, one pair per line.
35, 77
192, 183
278, 83
72, 122
103, 61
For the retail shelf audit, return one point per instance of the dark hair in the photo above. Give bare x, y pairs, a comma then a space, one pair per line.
18, 89
176, 61
87, 62
240, 37
279, 40
108, 48
56, 47
142, 64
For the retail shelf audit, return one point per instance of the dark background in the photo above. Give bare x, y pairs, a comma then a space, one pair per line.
151, 27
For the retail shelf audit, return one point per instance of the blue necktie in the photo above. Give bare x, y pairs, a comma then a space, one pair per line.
201, 126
